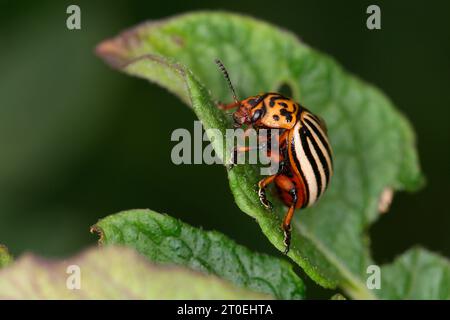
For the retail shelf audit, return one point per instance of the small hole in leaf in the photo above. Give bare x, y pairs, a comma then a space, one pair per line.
285, 90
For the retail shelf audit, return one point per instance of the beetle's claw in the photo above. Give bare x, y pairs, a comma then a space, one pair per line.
287, 241
268, 205
233, 159
262, 197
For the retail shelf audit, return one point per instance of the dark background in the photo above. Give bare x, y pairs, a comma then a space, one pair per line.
79, 141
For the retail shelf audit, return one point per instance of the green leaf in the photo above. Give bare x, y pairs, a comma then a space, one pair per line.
5, 257
110, 273
417, 274
374, 145
164, 239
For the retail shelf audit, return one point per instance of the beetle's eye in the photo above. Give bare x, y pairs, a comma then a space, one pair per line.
256, 115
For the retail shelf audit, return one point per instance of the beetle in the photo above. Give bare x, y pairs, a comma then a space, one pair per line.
305, 153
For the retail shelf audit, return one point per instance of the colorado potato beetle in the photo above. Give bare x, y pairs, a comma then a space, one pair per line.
305, 154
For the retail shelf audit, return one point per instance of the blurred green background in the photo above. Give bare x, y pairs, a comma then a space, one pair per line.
80, 141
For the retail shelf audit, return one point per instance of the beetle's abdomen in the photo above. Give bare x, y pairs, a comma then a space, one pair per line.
311, 157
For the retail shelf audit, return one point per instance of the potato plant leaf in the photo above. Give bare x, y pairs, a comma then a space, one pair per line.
164, 239
374, 145
416, 274
111, 273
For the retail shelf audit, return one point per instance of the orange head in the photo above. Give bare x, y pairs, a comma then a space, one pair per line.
246, 114
270, 110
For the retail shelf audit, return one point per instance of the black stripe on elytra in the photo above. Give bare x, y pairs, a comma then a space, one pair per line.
319, 121
321, 138
300, 110
283, 104
299, 168
315, 118
304, 138
319, 152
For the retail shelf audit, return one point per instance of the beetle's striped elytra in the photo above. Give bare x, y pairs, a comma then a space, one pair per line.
305, 153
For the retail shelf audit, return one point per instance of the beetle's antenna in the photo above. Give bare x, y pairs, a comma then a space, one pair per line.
227, 77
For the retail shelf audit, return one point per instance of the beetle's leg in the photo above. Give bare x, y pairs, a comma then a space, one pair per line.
267, 138
236, 151
281, 153
283, 138
287, 220
287, 185
262, 184
274, 156
280, 158
239, 149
